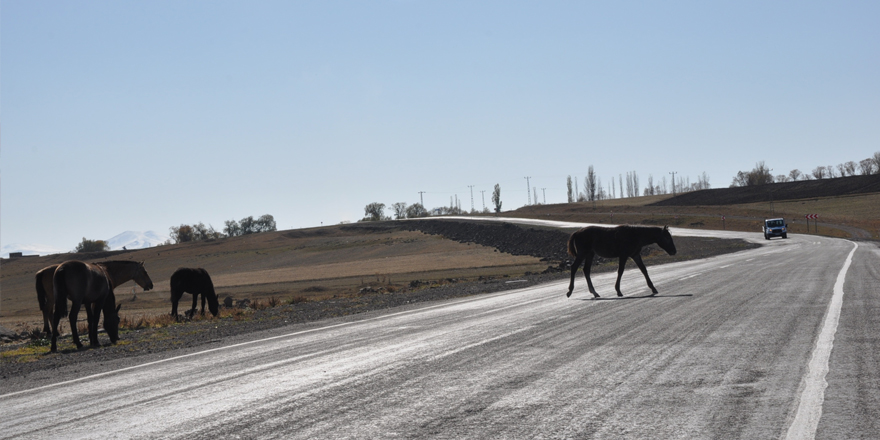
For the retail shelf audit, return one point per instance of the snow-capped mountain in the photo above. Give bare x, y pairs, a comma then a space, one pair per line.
137, 240
30, 249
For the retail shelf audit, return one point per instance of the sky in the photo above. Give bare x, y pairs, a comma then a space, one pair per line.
142, 115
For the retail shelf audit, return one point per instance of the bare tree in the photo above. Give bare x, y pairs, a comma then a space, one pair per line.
876, 159
866, 166
795, 175
635, 184
847, 169
399, 210
590, 184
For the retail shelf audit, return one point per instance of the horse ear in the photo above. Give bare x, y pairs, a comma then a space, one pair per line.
666, 228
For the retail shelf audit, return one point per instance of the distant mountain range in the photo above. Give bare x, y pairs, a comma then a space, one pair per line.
127, 240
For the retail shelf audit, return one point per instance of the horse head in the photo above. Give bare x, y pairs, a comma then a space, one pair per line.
665, 241
142, 278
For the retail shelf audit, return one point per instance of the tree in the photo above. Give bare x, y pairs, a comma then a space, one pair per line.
570, 194
876, 159
590, 184
266, 223
866, 166
374, 212
92, 246
496, 198
182, 233
760, 175
232, 228
248, 225
820, 172
399, 210
416, 210
795, 175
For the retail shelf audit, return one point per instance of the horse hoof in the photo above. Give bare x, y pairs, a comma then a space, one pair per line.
568, 295
595, 295
619, 294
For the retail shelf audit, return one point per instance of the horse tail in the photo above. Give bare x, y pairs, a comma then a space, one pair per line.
213, 301
60, 287
41, 291
572, 247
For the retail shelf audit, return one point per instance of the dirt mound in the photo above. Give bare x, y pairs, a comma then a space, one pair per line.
777, 191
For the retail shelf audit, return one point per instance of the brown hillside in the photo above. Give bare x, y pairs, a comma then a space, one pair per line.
805, 189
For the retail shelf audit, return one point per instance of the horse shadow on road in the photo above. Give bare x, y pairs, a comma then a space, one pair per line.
618, 298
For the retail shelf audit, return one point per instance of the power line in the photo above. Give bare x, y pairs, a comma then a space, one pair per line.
472, 197
528, 189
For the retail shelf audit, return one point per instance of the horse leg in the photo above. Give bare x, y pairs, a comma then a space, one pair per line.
56, 324
93, 313
175, 298
204, 299
587, 266
192, 311
638, 259
578, 260
74, 313
620, 268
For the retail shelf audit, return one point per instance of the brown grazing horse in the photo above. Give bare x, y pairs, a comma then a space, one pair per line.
92, 285
197, 282
621, 242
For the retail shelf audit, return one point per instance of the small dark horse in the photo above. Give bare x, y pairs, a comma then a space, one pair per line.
621, 242
92, 285
197, 282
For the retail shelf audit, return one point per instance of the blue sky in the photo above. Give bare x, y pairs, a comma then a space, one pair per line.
142, 115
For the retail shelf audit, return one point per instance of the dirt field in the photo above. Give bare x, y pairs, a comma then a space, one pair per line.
314, 264
848, 216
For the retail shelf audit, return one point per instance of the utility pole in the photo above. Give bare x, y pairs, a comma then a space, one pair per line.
483, 193
472, 197
544, 190
673, 183
528, 189
421, 198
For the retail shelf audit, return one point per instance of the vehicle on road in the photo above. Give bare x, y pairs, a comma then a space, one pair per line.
775, 227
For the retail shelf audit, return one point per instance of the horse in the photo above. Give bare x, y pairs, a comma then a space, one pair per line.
195, 281
92, 285
46, 296
620, 242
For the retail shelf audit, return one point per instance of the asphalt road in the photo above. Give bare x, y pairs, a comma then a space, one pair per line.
736, 346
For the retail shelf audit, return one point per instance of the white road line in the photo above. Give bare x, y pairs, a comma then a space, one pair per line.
809, 409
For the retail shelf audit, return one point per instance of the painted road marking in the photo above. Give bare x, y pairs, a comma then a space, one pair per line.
809, 409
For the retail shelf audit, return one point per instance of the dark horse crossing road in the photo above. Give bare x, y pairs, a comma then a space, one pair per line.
621, 242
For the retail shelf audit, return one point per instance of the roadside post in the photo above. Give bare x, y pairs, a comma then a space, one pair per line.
723, 226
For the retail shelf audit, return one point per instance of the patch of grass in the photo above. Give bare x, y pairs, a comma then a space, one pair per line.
296, 300
145, 321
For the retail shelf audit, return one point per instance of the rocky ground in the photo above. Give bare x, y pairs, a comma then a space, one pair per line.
29, 353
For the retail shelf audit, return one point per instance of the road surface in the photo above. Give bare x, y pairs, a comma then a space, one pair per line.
735, 346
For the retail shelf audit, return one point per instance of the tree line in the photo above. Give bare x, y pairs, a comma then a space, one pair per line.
376, 211
618, 188
199, 232
761, 174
